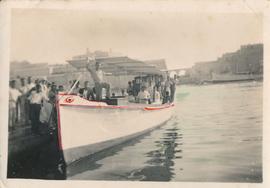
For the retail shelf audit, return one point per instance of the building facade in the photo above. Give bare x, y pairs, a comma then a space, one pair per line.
247, 60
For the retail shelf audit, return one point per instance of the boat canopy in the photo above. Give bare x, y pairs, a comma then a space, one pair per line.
119, 66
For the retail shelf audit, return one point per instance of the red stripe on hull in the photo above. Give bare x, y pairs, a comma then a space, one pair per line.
159, 108
121, 107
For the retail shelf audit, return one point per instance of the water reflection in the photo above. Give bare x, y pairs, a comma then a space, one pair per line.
91, 162
160, 166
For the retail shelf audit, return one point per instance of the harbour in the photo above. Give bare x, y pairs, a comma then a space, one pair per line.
195, 140
143, 95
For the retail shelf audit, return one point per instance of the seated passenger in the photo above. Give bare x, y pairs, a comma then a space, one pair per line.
87, 91
60, 88
157, 97
143, 96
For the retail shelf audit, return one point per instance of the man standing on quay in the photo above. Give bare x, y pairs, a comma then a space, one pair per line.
14, 94
22, 103
37, 97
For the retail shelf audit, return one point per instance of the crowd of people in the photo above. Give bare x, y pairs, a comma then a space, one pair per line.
151, 90
32, 102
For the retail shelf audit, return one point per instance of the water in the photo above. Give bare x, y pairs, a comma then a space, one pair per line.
214, 136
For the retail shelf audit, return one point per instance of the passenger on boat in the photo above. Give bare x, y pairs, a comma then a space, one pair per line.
162, 87
76, 88
131, 91
166, 98
136, 86
123, 92
150, 89
158, 83
157, 96
144, 82
87, 92
130, 88
143, 96
98, 77
167, 85
172, 89
60, 88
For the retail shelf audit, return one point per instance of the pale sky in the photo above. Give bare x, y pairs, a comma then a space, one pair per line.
53, 36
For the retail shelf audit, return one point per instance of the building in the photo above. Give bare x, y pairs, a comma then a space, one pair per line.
247, 60
119, 69
62, 74
158, 63
25, 68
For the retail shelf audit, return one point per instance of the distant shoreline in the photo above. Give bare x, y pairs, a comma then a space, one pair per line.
220, 82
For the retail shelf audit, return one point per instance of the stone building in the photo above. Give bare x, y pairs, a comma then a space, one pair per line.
119, 70
25, 68
247, 60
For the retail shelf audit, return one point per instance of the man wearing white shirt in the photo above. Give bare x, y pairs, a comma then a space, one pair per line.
143, 96
44, 87
30, 83
23, 89
98, 77
36, 98
13, 97
157, 96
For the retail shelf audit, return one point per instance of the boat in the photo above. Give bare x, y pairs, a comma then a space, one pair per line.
86, 127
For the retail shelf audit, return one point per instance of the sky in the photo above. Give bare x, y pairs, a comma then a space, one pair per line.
182, 39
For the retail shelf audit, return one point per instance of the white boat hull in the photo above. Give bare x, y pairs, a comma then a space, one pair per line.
88, 127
